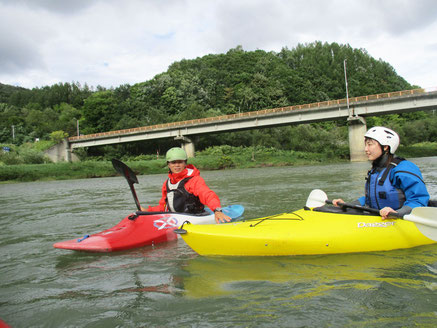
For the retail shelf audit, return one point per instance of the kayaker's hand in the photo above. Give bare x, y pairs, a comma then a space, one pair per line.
337, 202
221, 217
385, 212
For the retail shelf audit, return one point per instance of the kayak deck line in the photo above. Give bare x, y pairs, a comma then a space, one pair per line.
274, 217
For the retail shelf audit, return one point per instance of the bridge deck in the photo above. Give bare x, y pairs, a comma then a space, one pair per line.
87, 140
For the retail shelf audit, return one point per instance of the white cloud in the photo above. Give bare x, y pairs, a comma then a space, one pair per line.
114, 42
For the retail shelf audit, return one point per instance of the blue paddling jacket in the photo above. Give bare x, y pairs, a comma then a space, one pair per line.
399, 186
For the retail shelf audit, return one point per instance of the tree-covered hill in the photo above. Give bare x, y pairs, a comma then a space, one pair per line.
237, 81
250, 80
7, 90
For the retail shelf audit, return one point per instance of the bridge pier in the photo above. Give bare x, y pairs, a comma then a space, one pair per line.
357, 130
187, 145
61, 152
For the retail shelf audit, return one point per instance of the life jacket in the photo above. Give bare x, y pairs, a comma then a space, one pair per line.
180, 200
379, 191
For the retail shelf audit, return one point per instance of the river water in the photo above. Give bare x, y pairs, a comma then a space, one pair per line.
169, 285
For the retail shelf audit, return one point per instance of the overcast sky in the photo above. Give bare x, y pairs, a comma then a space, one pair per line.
114, 42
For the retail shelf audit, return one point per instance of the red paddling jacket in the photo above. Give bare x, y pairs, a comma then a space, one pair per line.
186, 192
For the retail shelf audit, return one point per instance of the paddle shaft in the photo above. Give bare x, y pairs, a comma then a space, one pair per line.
134, 194
362, 208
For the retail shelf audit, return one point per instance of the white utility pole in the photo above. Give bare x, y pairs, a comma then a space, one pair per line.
347, 91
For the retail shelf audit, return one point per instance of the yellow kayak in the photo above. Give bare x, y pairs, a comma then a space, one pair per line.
303, 232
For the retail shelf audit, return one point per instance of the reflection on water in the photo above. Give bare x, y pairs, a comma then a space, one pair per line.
364, 268
169, 285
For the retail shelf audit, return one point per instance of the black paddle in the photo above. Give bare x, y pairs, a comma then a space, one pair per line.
361, 208
130, 176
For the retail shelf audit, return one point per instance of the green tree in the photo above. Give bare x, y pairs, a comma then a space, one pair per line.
58, 136
68, 117
100, 112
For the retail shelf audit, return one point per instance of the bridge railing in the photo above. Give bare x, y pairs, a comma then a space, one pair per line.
261, 112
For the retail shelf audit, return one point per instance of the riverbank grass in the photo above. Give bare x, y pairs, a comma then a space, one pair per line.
214, 158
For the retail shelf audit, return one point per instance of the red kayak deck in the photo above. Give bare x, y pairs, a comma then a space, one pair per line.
136, 230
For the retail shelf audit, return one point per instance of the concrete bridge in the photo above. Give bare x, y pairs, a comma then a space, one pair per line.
354, 110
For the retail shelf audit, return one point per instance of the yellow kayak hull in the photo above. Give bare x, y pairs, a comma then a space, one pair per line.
303, 232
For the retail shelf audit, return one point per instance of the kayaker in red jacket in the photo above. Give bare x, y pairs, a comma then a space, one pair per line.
185, 190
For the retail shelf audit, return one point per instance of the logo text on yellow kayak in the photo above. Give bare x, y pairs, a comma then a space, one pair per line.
375, 224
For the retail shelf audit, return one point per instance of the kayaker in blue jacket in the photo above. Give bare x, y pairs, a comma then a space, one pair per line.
393, 184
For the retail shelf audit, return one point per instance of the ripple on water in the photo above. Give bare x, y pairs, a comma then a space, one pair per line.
169, 285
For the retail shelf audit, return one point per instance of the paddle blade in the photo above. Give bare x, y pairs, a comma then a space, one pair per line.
316, 198
234, 211
124, 170
425, 219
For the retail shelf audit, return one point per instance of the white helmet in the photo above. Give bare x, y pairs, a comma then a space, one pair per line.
385, 137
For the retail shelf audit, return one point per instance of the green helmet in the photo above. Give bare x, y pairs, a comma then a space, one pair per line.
176, 154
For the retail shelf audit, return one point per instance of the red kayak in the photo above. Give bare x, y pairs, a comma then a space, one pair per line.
142, 229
